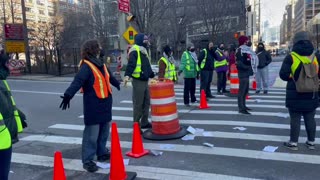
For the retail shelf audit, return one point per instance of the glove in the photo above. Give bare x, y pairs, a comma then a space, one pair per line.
65, 102
118, 87
198, 76
179, 73
126, 80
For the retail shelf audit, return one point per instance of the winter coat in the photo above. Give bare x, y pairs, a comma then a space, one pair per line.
264, 59
297, 101
96, 110
192, 73
4, 70
243, 63
209, 66
219, 58
146, 70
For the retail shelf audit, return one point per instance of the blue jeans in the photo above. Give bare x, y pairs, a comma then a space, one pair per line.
262, 78
94, 141
5, 160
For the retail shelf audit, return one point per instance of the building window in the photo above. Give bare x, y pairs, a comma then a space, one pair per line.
41, 12
28, 9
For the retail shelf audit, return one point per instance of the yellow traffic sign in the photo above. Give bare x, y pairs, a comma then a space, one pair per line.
14, 46
129, 34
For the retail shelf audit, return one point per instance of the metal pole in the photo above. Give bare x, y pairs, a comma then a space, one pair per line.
259, 22
122, 42
26, 39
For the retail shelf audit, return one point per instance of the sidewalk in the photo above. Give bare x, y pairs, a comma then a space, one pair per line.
42, 77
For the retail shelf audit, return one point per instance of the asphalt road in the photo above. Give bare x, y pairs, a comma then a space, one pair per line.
236, 154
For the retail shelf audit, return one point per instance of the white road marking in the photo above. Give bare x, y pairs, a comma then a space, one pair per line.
215, 134
220, 151
142, 171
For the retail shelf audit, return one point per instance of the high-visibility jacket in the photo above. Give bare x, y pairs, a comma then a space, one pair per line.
188, 58
137, 71
297, 59
220, 63
5, 138
101, 83
170, 72
15, 112
203, 62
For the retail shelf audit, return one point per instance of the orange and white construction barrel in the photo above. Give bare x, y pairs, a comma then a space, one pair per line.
234, 80
164, 115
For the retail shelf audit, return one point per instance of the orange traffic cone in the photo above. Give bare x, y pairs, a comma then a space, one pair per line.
58, 170
137, 144
247, 96
203, 100
254, 84
117, 169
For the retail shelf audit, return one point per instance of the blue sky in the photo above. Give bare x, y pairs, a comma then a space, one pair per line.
272, 10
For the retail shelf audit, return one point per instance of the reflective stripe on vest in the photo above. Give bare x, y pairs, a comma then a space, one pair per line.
297, 59
5, 138
188, 68
170, 72
203, 63
137, 70
220, 63
101, 83
15, 112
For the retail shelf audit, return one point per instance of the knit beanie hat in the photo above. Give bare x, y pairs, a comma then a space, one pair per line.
301, 36
189, 45
242, 40
167, 50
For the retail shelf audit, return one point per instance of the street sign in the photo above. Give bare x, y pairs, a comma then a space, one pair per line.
124, 6
13, 31
129, 34
14, 46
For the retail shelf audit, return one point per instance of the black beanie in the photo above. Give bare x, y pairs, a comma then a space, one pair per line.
167, 50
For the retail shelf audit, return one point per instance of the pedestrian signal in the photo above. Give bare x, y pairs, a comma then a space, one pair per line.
131, 35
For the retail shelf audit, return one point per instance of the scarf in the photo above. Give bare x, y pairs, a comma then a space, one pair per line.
170, 59
254, 58
194, 56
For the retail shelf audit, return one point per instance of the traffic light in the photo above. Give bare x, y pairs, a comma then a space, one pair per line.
131, 35
130, 17
236, 35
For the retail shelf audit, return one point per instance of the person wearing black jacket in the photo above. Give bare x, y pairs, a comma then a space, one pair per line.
140, 78
299, 104
243, 62
96, 107
262, 76
206, 64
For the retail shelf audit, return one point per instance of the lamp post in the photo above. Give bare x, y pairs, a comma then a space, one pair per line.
4, 12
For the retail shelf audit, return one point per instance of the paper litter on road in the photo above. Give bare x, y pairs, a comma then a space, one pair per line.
166, 146
191, 130
208, 145
258, 100
283, 115
156, 153
270, 148
207, 134
240, 128
188, 137
107, 165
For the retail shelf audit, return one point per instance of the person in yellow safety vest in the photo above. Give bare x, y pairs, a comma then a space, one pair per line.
189, 67
95, 80
139, 69
5, 150
221, 66
300, 103
206, 64
167, 68
9, 115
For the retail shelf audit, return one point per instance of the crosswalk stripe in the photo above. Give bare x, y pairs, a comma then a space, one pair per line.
251, 96
228, 86
215, 134
222, 122
248, 100
220, 151
192, 111
142, 171
269, 92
